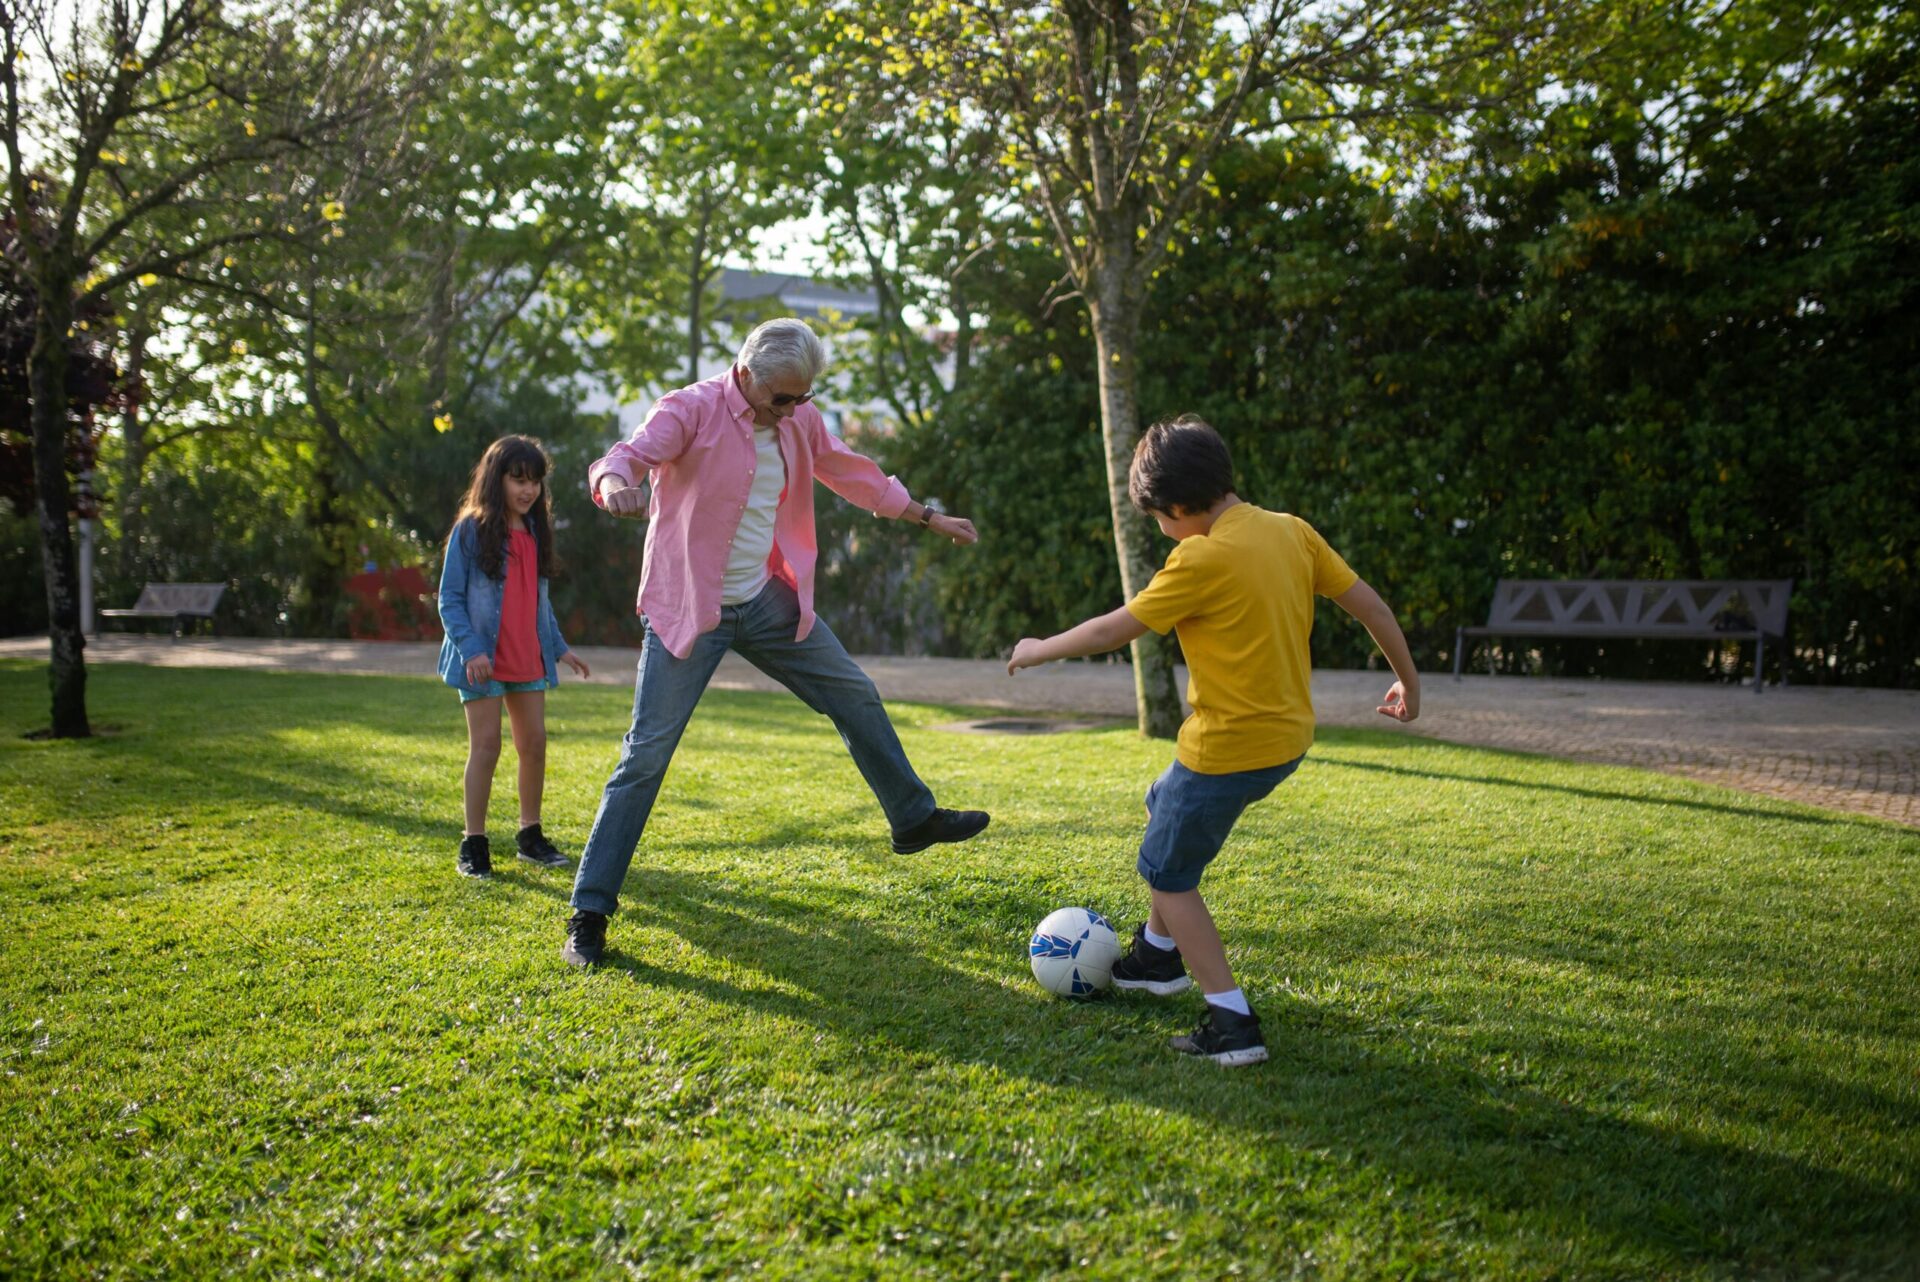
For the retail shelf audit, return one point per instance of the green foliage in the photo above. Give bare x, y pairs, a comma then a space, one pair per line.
1530, 1019
212, 514
871, 583
1543, 374
1017, 449
1658, 322
723, 149
23, 593
452, 301
219, 522
600, 556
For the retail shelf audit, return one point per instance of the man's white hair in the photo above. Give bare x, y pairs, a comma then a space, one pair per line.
784, 348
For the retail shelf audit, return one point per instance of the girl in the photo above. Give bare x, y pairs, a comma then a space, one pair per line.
501, 638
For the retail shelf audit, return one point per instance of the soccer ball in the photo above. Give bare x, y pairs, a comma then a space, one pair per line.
1073, 951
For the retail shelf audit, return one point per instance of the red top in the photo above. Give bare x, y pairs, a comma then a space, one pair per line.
516, 656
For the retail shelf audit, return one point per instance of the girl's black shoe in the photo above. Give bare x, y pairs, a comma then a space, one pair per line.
475, 860
1226, 1037
1156, 970
536, 849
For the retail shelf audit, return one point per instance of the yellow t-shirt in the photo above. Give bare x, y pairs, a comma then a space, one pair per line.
1241, 596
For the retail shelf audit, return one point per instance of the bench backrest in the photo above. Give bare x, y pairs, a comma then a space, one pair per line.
179, 598
1694, 607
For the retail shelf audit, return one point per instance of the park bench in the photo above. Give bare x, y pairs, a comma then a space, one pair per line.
176, 602
1698, 609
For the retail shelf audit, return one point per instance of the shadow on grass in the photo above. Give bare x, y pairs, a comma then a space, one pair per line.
1595, 794
1367, 1094
1715, 1007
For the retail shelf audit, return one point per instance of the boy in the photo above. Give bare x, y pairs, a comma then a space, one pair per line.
1239, 587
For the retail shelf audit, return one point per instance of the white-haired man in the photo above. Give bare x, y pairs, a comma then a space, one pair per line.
729, 566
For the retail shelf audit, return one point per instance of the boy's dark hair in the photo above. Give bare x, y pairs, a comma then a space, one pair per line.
486, 504
1180, 463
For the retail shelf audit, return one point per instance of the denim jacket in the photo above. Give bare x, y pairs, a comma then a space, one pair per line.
470, 613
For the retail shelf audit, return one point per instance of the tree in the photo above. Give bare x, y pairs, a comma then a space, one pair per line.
1569, 359
146, 125
1113, 114
93, 383
477, 270
917, 212
724, 141
528, 233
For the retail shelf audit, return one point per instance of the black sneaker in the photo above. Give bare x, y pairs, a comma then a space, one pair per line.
536, 849
1226, 1037
941, 825
475, 860
586, 938
1159, 971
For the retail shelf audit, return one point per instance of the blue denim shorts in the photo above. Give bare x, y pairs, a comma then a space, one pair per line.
494, 689
1190, 815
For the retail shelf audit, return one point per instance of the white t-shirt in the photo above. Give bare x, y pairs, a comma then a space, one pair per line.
747, 563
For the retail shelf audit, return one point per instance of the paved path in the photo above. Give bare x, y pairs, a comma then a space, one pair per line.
1848, 749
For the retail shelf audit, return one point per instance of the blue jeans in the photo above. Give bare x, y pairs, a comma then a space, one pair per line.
666, 690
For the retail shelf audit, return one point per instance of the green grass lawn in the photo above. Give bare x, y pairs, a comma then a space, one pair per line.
1529, 1018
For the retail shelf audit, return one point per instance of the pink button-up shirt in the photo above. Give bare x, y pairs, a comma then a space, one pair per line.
697, 447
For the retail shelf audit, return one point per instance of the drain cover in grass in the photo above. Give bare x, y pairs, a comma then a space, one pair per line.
1024, 725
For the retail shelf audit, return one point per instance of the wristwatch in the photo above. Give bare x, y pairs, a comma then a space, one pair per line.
926, 515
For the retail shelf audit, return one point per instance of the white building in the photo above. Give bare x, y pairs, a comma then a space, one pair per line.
745, 299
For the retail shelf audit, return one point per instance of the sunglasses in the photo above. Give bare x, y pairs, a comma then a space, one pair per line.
783, 400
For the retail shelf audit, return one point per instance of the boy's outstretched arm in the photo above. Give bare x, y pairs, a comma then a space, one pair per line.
1095, 636
1363, 603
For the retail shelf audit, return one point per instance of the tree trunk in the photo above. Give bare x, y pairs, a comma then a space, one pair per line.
47, 386
1116, 334
324, 612
439, 331
697, 287
133, 458
962, 336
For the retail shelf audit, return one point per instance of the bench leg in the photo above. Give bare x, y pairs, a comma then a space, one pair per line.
1459, 653
1760, 663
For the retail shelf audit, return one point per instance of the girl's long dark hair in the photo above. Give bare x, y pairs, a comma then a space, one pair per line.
486, 503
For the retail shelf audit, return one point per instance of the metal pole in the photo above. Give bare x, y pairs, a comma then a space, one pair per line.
85, 505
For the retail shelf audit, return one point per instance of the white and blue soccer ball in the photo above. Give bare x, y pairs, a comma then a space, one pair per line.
1073, 951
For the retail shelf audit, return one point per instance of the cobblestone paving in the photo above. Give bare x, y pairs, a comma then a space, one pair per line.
1846, 749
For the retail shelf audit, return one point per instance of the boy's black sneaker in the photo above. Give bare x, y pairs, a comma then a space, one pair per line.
536, 849
1226, 1037
941, 825
1156, 970
586, 938
475, 860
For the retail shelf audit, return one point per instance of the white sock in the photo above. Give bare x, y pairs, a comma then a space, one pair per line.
1163, 942
1233, 999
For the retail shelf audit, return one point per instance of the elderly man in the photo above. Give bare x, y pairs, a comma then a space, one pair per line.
730, 559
